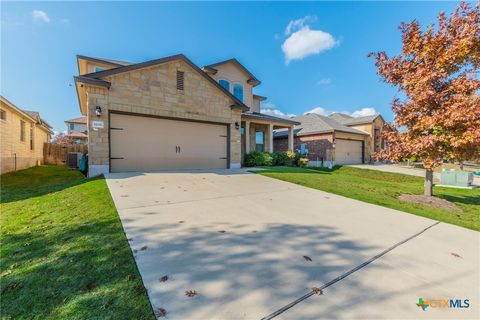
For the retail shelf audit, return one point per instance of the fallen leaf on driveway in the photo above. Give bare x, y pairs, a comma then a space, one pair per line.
191, 293
307, 258
164, 278
181, 221
160, 312
317, 290
455, 255
222, 231
143, 248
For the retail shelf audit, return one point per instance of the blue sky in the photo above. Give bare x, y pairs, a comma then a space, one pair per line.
309, 56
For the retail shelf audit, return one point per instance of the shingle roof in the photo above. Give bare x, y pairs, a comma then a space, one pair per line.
349, 120
106, 61
81, 120
312, 123
262, 116
35, 115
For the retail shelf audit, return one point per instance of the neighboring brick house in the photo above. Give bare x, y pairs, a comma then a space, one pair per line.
170, 114
23, 134
337, 139
77, 130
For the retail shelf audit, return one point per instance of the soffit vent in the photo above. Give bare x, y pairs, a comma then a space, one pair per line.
180, 80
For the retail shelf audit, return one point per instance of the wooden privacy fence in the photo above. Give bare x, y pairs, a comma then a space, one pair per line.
57, 154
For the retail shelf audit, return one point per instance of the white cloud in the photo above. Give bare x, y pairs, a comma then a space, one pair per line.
364, 112
295, 25
324, 82
41, 16
272, 110
318, 110
306, 42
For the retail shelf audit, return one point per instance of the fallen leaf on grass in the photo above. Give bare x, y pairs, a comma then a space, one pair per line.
307, 258
160, 312
191, 293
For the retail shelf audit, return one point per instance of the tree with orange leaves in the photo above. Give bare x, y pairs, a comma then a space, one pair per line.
438, 73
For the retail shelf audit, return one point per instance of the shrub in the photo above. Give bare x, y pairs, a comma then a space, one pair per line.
291, 158
256, 158
279, 158
302, 162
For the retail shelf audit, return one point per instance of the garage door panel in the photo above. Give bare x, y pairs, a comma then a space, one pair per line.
140, 143
348, 152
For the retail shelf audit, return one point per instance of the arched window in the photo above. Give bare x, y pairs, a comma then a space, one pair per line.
225, 84
238, 91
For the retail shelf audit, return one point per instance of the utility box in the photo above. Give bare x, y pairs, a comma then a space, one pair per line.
456, 178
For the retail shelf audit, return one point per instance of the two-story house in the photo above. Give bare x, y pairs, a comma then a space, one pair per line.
170, 114
77, 130
22, 136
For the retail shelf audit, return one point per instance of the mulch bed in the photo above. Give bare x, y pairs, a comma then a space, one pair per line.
430, 201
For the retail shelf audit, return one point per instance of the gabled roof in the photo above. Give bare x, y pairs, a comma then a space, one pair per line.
313, 123
95, 77
253, 80
349, 120
81, 120
113, 63
258, 97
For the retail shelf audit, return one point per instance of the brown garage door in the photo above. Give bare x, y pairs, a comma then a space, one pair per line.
348, 151
139, 143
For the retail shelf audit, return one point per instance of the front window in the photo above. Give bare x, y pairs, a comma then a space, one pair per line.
238, 91
72, 126
225, 84
259, 141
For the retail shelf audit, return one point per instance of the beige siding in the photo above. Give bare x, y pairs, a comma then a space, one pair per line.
234, 74
13, 149
152, 91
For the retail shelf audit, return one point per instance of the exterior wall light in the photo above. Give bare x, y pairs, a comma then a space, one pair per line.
98, 111
237, 125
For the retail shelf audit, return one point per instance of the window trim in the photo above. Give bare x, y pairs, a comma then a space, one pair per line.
22, 130
4, 112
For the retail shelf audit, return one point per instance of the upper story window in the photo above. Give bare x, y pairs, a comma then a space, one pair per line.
238, 91
98, 69
3, 115
225, 84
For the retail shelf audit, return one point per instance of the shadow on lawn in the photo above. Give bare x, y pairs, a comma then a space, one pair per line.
85, 271
38, 181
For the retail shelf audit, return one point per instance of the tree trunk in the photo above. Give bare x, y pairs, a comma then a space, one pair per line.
461, 165
428, 182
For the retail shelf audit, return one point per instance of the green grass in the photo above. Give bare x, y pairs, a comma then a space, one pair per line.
383, 188
64, 254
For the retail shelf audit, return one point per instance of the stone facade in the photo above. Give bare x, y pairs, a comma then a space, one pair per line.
153, 91
16, 153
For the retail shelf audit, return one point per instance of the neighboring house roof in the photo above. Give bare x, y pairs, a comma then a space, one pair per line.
95, 77
313, 123
113, 63
262, 116
32, 115
349, 120
81, 120
253, 80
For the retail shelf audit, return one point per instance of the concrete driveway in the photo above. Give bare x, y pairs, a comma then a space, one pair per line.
239, 240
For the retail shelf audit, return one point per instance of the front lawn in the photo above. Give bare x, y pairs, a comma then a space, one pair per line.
383, 188
64, 254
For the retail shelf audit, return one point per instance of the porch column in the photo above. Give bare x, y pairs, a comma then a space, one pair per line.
247, 137
290, 138
270, 138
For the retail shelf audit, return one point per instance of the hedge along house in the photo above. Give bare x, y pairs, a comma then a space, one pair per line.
168, 114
